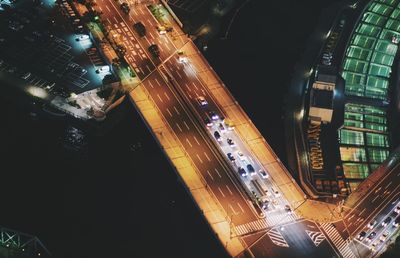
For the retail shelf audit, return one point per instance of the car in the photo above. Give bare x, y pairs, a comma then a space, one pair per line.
161, 30
263, 174
82, 37
242, 172
251, 170
125, 8
208, 122
202, 101
213, 115
288, 209
230, 142
397, 210
276, 193
221, 128
384, 236
217, 136
362, 235
140, 29
373, 246
241, 156
154, 50
182, 57
371, 236
386, 221
396, 222
372, 224
230, 156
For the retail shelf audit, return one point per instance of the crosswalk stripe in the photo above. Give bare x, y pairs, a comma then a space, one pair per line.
337, 240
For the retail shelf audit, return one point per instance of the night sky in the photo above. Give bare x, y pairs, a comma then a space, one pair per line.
116, 202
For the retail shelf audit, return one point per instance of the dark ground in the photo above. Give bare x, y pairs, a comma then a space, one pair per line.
119, 203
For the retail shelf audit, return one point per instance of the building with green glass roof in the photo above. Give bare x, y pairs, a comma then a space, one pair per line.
359, 47
367, 69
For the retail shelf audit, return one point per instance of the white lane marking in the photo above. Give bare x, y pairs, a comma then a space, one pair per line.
176, 110
189, 89
187, 140
148, 67
107, 8
180, 129
205, 154
151, 35
157, 82
108, 20
166, 95
158, 95
115, 19
194, 84
201, 161
398, 174
240, 207
216, 170
230, 206
169, 112
166, 45
388, 184
229, 190
196, 140
373, 200
151, 85
177, 72
141, 10
186, 125
149, 21
212, 178
223, 195
101, 9
359, 214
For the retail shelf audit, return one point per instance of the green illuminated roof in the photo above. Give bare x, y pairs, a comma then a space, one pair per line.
367, 67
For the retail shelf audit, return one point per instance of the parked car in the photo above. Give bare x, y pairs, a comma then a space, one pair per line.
362, 235
140, 29
202, 101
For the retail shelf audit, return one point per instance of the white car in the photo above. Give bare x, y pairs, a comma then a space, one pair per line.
241, 156
384, 236
263, 174
202, 101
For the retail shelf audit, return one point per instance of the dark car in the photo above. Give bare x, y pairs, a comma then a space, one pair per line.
396, 222
251, 170
213, 115
230, 156
154, 50
208, 122
140, 29
371, 236
362, 235
217, 136
125, 8
230, 142
242, 172
386, 221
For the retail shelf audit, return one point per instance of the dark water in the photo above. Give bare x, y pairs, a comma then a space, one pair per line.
121, 203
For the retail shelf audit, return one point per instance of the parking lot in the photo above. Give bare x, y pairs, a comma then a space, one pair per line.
56, 62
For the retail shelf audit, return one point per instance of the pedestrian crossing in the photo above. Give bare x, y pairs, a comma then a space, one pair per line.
272, 219
277, 238
275, 218
316, 236
337, 240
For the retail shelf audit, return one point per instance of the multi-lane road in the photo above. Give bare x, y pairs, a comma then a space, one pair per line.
161, 82
175, 89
